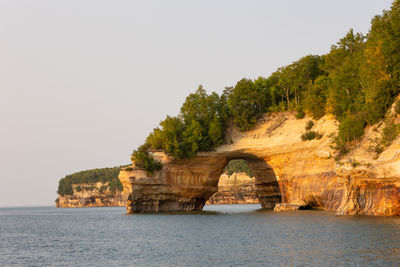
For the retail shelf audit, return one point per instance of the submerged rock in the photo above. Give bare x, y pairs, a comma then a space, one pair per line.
286, 207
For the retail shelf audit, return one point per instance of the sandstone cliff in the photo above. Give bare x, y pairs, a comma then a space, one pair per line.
237, 188
91, 195
286, 170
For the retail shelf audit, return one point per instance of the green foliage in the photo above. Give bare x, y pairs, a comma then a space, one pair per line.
205, 116
354, 163
104, 175
359, 75
315, 99
237, 165
309, 125
342, 64
216, 131
375, 146
144, 160
389, 132
243, 104
310, 135
200, 126
115, 185
397, 107
300, 114
351, 128
294, 80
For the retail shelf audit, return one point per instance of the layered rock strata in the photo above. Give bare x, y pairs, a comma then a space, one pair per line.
237, 188
286, 170
91, 195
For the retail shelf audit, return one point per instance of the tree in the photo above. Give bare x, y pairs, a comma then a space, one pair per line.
208, 111
264, 99
351, 128
380, 66
343, 63
303, 74
357, 81
315, 98
108, 176
216, 131
192, 138
243, 104
285, 83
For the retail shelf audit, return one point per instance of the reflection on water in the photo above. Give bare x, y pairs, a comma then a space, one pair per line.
226, 209
226, 235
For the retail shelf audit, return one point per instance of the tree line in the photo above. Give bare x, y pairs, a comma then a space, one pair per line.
104, 175
357, 81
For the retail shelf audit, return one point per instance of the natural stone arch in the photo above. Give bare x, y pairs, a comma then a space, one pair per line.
305, 170
266, 185
186, 184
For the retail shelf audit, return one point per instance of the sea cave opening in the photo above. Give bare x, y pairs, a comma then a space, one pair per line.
247, 180
236, 185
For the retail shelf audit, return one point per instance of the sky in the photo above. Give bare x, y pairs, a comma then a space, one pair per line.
82, 83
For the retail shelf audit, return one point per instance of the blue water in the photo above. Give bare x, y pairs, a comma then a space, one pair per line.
223, 235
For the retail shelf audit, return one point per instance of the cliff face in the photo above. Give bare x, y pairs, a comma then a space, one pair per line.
91, 195
237, 188
286, 170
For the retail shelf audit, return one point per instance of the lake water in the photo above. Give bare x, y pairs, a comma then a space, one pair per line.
223, 235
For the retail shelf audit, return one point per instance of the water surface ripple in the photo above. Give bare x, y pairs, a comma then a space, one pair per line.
223, 235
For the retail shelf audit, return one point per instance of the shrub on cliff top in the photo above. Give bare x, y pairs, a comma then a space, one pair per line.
351, 128
310, 135
309, 125
389, 132
144, 160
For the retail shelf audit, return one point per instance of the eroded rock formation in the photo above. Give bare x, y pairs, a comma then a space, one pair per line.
286, 170
91, 195
237, 188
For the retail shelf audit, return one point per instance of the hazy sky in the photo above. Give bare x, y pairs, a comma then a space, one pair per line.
82, 83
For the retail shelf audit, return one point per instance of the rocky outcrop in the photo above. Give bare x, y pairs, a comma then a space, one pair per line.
186, 185
91, 195
286, 170
286, 207
237, 188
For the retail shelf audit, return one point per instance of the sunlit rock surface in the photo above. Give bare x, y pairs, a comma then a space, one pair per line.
237, 188
91, 195
286, 207
286, 170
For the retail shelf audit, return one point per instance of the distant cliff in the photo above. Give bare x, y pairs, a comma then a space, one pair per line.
91, 195
237, 188
91, 188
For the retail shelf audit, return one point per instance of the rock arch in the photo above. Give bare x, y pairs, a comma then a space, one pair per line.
186, 185
287, 170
